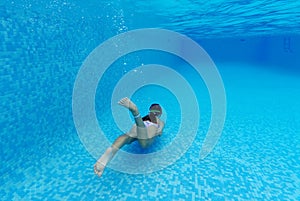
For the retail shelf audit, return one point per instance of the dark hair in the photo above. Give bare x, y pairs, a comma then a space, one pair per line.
146, 118
154, 104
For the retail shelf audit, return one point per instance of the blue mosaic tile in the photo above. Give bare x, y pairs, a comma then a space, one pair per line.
42, 157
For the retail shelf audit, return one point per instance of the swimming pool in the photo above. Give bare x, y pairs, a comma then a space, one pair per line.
255, 46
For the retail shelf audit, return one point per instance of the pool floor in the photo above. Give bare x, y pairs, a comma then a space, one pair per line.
256, 158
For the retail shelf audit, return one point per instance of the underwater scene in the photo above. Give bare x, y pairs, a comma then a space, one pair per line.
215, 85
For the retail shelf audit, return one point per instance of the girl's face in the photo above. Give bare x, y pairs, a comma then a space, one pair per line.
156, 110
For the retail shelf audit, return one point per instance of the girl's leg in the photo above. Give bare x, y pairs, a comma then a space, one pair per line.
110, 152
142, 134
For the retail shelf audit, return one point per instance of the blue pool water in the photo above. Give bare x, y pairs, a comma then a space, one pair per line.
255, 46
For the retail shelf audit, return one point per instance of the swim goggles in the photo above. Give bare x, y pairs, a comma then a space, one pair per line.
156, 112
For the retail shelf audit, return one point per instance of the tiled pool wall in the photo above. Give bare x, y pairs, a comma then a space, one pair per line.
279, 52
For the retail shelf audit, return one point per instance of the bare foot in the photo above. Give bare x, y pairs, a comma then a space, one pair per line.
99, 168
126, 102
